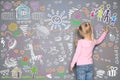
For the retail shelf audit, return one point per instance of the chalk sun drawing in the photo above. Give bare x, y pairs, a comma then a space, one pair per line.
58, 20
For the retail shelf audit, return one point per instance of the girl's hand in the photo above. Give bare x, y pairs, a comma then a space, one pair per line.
106, 29
71, 69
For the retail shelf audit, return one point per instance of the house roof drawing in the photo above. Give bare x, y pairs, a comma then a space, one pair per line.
22, 6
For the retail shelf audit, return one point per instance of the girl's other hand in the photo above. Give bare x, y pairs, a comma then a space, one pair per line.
71, 69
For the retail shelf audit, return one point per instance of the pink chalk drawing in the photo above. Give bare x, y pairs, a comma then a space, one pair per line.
34, 5
7, 5
3, 27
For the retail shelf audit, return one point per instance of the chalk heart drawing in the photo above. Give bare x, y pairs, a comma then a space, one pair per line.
58, 20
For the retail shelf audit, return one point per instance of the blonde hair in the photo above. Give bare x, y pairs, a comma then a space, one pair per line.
91, 28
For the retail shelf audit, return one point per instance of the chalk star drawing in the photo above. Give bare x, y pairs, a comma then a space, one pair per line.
58, 20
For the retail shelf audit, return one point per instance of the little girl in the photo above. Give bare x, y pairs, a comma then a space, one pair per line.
83, 53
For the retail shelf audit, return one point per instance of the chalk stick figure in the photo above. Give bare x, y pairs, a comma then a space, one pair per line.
107, 14
100, 12
113, 19
93, 13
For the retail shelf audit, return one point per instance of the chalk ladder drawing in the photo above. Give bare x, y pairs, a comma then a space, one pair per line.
34, 58
24, 28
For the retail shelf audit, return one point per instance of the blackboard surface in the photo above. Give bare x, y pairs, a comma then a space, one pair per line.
37, 38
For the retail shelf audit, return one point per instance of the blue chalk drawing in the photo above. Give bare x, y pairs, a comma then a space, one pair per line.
22, 12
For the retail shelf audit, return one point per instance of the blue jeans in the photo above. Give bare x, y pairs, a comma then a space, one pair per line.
84, 72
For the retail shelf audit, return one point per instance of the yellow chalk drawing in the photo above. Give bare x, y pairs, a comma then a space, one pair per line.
13, 27
16, 72
108, 67
100, 12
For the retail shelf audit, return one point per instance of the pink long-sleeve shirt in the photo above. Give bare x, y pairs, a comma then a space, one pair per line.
83, 53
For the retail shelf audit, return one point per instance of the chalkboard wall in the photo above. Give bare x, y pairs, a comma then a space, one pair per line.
37, 38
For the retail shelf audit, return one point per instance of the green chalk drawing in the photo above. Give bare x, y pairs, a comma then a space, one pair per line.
61, 74
33, 70
16, 33
24, 63
26, 77
74, 22
6, 77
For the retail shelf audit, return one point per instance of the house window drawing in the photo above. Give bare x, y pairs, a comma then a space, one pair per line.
16, 72
22, 12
